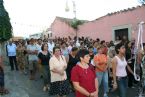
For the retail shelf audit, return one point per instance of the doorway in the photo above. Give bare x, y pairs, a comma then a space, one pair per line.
121, 32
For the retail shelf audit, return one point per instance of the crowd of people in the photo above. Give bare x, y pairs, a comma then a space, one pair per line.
76, 64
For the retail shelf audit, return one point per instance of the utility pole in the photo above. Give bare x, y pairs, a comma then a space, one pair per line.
74, 9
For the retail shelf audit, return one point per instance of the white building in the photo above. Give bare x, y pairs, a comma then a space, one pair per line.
36, 36
45, 34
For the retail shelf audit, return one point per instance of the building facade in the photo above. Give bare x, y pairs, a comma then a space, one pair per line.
61, 28
121, 23
117, 24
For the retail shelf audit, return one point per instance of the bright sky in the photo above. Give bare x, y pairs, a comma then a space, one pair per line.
33, 16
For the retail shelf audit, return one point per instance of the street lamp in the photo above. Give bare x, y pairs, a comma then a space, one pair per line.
74, 21
74, 8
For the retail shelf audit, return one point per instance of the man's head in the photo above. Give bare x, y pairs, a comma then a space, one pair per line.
10, 42
40, 41
32, 41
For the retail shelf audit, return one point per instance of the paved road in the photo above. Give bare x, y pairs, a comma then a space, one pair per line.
19, 85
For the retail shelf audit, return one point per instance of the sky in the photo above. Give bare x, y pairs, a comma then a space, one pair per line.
34, 16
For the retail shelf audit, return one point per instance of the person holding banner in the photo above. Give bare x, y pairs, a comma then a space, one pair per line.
119, 65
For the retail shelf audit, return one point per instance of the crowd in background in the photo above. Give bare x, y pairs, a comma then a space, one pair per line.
77, 64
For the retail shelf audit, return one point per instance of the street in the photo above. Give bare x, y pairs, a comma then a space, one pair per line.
19, 85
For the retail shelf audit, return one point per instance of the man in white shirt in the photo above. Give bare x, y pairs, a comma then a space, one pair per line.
11, 52
70, 47
51, 46
39, 45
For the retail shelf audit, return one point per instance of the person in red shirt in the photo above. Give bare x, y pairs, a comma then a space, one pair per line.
83, 76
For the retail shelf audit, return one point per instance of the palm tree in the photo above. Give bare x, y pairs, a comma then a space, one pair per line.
5, 27
75, 23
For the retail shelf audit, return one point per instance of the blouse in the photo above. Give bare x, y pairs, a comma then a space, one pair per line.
85, 77
59, 65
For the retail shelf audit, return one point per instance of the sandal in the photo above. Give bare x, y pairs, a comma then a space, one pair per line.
1, 92
4, 91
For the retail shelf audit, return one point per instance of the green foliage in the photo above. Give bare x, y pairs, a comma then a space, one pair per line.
5, 25
75, 23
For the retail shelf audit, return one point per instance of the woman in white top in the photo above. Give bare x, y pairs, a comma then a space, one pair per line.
59, 85
119, 65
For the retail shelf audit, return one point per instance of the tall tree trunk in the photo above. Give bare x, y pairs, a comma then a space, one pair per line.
4, 53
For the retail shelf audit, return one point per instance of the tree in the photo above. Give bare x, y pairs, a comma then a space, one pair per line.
75, 23
5, 29
5, 25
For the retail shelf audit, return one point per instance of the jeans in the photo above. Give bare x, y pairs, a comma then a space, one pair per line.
13, 62
122, 86
103, 76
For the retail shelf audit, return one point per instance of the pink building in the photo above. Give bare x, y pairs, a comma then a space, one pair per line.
108, 27
61, 28
120, 23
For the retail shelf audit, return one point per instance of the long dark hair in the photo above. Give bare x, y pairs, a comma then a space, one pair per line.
118, 46
42, 47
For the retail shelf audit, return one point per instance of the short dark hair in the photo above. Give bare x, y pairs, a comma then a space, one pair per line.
42, 47
118, 46
56, 47
99, 47
98, 40
45, 40
103, 41
74, 49
95, 42
39, 39
63, 43
82, 53
90, 47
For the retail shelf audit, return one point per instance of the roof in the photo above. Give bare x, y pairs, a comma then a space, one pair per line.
68, 20
121, 11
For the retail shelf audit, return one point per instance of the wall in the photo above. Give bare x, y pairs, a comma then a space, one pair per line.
103, 27
61, 29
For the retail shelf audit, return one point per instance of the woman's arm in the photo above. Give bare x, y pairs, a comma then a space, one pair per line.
67, 59
139, 58
96, 85
56, 71
81, 89
52, 66
114, 64
129, 69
